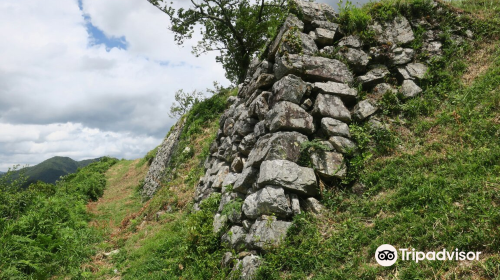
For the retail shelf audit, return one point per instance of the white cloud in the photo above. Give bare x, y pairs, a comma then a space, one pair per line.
60, 95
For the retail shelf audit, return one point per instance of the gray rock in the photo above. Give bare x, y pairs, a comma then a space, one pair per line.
263, 81
328, 164
291, 40
373, 76
382, 88
220, 221
327, 105
291, 21
220, 177
332, 26
358, 188
313, 205
248, 267
323, 37
247, 144
410, 89
266, 233
237, 165
288, 175
230, 180
311, 11
342, 144
342, 90
434, 48
357, 59
157, 168
312, 68
352, 41
246, 224
363, 110
245, 126
228, 127
235, 237
294, 203
307, 104
290, 88
402, 56
246, 179
259, 107
333, 127
259, 129
279, 145
416, 70
270, 200
228, 197
226, 259
287, 116
396, 32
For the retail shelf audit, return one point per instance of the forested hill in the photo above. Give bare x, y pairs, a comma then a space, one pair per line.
50, 170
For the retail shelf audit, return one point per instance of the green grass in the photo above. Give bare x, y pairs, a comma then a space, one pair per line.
44, 230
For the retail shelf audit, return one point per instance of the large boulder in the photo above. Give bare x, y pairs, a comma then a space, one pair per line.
287, 116
333, 127
290, 88
396, 32
373, 76
288, 175
266, 233
235, 237
312, 11
357, 59
247, 267
291, 22
246, 179
313, 68
328, 164
296, 42
279, 145
363, 110
410, 89
327, 105
345, 92
270, 200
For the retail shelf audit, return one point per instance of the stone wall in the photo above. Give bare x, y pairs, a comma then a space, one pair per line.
306, 88
156, 171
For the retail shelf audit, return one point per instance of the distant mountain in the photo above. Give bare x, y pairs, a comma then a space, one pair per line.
1, 172
51, 169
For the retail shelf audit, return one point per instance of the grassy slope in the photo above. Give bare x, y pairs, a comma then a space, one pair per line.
435, 184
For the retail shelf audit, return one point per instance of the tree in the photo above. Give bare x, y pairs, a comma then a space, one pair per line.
235, 28
185, 100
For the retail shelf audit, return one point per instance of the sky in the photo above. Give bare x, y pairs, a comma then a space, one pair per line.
91, 78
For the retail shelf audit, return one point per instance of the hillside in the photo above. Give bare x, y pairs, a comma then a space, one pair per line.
50, 170
354, 128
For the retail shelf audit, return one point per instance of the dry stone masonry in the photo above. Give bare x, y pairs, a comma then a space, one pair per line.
306, 88
152, 182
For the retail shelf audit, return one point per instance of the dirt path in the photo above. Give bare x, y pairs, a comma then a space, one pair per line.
119, 202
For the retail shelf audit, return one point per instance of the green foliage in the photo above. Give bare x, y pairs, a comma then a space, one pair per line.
184, 102
305, 151
354, 20
149, 157
43, 230
234, 206
184, 248
237, 29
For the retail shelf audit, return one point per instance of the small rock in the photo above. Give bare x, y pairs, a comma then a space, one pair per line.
373, 77
287, 116
358, 188
352, 41
270, 200
267, 232
333, 127
410, 89
327, 105
313, 205
235, 237
323, 37
328, 164
288, 175
246, 179
382, 88
342, 145
307, 104
397, 31
363, 110
402, 56
220, 221
290, 88
342, 90
226, 259
357, 59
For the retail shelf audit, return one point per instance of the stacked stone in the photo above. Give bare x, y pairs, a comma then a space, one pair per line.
291, 97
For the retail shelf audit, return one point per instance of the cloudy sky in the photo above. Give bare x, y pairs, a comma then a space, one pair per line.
88, 78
